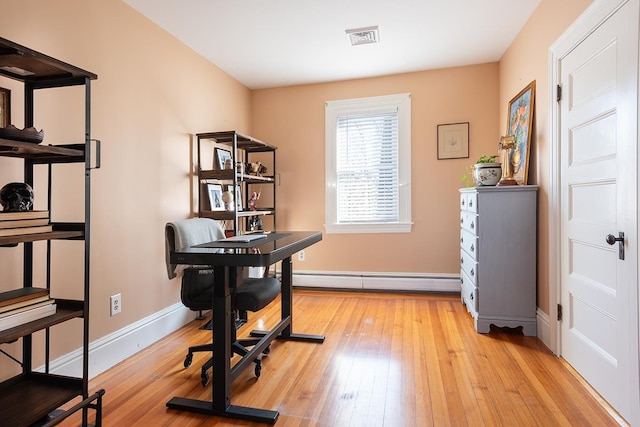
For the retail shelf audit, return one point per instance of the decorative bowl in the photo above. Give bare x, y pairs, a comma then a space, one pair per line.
30, 134
487, 173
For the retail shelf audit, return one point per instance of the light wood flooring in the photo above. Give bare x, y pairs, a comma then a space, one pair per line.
389, 360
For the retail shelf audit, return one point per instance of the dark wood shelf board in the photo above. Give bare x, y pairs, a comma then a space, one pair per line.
245, 142
231, 215
21, 63
54, 235
28, 398
227, 175
29, 150
65, 310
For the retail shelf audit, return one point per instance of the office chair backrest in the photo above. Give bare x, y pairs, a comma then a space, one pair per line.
188, 232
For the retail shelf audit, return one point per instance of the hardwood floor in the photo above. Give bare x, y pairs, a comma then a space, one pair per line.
388, 360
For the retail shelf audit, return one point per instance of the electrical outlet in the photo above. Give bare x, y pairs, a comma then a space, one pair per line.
116, 304
301, 255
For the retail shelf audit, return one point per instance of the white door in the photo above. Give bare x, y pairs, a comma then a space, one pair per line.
598, 193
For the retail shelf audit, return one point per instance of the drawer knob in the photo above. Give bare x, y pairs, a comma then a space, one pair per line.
472, 272
473, 225
461, 221
472, 248
462, 240
461, 260
471, 296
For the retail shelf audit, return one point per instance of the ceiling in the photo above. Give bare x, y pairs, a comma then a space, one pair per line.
272, 43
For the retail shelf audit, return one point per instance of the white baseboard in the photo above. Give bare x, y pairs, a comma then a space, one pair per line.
112, 349
397, 282
544, 328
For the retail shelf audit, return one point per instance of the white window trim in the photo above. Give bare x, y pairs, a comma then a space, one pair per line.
332, 109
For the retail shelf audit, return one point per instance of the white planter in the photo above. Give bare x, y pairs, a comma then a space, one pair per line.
487, 173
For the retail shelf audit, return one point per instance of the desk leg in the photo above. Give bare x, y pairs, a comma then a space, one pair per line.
220, 403
287, 308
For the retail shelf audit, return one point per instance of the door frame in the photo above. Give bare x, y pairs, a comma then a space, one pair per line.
597, 13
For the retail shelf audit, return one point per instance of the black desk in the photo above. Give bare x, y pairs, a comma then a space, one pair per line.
227, 260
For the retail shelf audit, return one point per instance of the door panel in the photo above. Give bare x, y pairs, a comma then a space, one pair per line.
598, 193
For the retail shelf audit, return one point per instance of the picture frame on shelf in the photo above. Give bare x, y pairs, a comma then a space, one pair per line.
519, 124
215, 197
238, 197
453, 141
5, 107
221, 156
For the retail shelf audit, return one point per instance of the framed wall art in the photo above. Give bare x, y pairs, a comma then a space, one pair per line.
453, 141
5, 107
519, 124
215, 197
222, 156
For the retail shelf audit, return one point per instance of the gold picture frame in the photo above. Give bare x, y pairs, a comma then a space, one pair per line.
520, 116
453, 141
5, 107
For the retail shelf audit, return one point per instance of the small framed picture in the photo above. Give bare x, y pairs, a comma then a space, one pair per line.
5, 107
453, 141
215, 197
238, 198
222, 156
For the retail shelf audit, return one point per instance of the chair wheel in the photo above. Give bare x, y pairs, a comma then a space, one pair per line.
258, 369
204, 379
188, 360
267, 350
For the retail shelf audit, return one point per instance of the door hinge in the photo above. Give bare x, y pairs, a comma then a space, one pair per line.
559, 317
558, 93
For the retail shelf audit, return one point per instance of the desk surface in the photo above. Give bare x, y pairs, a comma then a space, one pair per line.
260, 253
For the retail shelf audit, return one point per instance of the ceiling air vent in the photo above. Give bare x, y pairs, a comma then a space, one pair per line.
366, 35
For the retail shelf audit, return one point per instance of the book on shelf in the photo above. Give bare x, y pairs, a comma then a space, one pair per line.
25, 230
27, 316
21, 294
19, 304
20, 309
17, 223
12, 216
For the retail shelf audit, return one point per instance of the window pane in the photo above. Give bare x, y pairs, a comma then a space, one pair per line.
367, 168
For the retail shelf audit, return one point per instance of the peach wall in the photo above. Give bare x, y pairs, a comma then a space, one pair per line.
151, 96
527, 60
292, 118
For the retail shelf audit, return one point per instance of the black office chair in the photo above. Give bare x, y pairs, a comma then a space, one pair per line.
252, 294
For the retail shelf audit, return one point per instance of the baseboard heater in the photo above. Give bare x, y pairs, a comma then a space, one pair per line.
396, 282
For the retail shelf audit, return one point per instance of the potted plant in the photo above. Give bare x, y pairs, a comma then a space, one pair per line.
486, 171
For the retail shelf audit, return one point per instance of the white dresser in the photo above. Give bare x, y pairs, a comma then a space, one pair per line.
498, 256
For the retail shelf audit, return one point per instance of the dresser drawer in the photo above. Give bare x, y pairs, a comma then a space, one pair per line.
472, 202
469, 292
464, 201
469, 243
469, 221
469, 266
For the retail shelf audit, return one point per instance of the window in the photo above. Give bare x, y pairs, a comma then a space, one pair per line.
368, 165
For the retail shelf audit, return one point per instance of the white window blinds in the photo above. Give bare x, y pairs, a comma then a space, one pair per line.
367, 168
368, 165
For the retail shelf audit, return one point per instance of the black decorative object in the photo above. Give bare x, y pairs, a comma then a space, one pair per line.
16, 197
30, 134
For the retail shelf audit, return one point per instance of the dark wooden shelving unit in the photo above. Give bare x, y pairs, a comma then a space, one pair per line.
31, 396
243, 149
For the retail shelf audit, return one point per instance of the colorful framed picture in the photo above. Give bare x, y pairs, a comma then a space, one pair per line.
519, 124
215, 197
5, 107
453, 141
222, 156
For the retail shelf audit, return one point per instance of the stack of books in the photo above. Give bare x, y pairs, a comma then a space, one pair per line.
23, 305
26, 222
